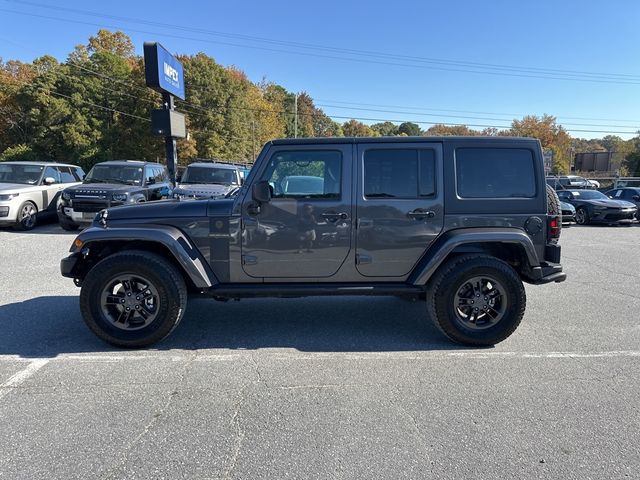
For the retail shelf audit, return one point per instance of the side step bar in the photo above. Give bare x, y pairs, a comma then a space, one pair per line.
293, 290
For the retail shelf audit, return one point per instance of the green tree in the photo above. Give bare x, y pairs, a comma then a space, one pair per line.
385, 129
550, 134
410, 129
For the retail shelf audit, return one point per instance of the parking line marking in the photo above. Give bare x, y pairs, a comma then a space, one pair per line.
221, 357
22, 375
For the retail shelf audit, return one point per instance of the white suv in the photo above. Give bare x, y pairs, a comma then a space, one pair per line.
29, 190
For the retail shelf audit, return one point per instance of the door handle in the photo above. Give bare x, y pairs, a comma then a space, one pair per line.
334, 216
421, 214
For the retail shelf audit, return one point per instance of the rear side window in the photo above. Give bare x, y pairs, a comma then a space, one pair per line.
495, 173
399, 173
65, 175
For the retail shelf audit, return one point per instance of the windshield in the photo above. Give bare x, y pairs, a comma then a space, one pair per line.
17, 173
208, 175
589, 195
127, 174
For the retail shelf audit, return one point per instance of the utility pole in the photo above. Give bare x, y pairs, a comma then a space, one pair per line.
253, 139
295, 117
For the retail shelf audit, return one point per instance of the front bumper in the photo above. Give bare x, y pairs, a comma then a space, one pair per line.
613, 215
9, 212
68, 265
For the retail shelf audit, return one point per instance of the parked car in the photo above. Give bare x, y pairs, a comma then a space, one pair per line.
628, 194
570, 182
595, 207
568, 212
203, 179
30, 190
395, 216
109, 184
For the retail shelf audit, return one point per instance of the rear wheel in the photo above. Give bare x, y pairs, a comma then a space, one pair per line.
476, 300
27, 216
68, 226
133, 299
582, 216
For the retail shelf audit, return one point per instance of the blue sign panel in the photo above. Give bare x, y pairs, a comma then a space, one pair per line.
163, 72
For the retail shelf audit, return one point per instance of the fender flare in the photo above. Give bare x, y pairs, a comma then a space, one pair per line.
184, 252
445, 244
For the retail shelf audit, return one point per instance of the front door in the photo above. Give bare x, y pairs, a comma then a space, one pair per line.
399, 206
305, 230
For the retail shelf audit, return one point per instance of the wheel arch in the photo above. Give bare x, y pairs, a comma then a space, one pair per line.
96, 243
511, 245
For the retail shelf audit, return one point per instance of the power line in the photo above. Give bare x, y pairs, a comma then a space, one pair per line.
370, 53
468, 111
474, 69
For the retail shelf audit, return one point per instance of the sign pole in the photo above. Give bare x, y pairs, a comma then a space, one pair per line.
170, 142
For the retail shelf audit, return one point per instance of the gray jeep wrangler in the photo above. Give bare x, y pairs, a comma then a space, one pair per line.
458, 222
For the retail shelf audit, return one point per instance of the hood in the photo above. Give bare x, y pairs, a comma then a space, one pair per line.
101, 189
567, 206
611, 203
160, 209
202, 190
16, 187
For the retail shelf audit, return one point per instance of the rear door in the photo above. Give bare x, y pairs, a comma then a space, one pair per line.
51, 192
399, 206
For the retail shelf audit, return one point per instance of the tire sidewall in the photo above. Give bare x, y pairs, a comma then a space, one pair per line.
445, 296
19, 223
585, 216
169, 314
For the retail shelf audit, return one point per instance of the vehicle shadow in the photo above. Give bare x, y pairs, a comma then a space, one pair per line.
45, 226
52, 325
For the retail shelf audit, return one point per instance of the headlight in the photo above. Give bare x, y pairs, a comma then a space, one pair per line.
8, 196
119, 197
66, 196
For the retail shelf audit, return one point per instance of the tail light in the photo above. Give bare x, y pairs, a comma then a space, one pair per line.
554, 226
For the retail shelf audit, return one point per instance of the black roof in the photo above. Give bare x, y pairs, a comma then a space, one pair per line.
334, 140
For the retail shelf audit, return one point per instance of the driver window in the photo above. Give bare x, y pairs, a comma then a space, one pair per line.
51, 172
305, 174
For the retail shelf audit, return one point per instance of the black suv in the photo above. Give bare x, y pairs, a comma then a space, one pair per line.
109, 184
460, 222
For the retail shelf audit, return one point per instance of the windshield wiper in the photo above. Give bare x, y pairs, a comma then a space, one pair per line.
93, 180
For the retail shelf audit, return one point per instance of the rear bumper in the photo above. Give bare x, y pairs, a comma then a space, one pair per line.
547, 273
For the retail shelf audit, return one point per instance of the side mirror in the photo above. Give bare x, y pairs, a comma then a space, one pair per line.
261, 192
49, 181
636, 198
151, 181
610, 196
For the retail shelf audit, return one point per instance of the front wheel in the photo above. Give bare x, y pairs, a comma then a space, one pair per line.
133, 299
476, 300
582, 216
27, 216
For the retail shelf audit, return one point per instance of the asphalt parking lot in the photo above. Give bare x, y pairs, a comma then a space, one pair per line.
324, 387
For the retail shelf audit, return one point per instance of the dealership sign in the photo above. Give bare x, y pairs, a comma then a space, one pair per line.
163, 72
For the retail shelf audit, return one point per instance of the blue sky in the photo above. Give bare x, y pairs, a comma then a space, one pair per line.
584, 36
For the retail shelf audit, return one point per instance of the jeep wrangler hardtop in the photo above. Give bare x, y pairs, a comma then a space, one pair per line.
458, 222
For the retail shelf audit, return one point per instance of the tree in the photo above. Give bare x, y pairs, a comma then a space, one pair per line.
550, 134
354, 128
117, 43
440, 130
410, 129
385, 129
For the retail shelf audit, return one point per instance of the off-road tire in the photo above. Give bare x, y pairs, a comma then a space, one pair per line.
23, 224
442, 289
167, 280
553, 204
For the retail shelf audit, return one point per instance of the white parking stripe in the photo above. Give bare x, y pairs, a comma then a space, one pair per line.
295, 355
22, 375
